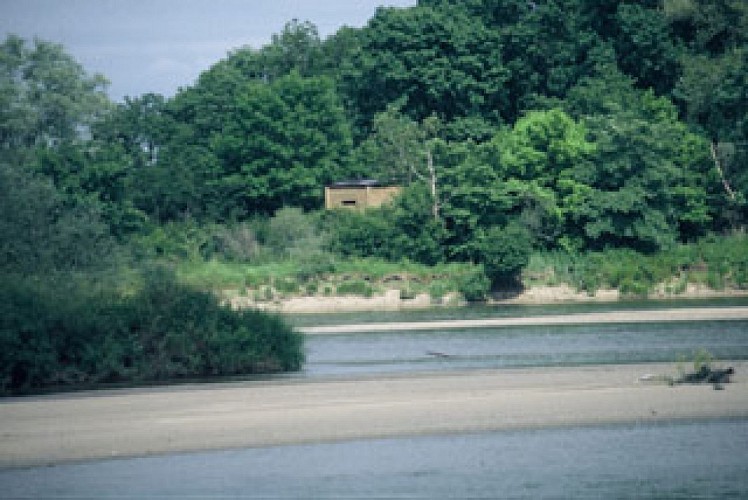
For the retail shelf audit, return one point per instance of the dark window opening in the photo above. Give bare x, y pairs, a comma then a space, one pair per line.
349, 203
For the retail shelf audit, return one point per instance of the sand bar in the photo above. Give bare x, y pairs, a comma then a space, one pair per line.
139, 422
620, 317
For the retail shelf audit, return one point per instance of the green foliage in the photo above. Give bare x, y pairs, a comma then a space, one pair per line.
68, 334
40, 234
595, 126
504, 253
286, 286
46, 96
281, 143
432, 60
355, 287
716, 262
473, 285
291, 232
236, 242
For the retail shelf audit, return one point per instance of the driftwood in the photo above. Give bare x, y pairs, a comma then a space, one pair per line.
704, 375
707, 375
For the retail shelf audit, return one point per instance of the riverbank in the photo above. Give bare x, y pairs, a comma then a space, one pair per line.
392, 300
141, 422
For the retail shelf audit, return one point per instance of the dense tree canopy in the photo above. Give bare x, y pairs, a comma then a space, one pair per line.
585, 124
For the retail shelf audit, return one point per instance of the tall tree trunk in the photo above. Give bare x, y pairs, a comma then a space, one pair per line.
432, 184
718, 166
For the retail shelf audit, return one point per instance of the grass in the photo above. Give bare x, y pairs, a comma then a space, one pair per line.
717, 262
363, 277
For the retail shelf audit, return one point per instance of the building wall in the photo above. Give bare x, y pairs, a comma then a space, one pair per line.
359, 197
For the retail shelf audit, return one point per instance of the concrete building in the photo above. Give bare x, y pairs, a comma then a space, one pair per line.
359, 194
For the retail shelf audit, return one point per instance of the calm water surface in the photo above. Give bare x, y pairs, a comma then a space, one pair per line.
481, 348
704, 459
676, 460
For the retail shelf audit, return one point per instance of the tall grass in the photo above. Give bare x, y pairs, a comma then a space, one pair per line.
716, 262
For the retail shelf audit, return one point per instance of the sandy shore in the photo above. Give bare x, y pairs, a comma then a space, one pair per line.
138, 422
391, 301
610, 317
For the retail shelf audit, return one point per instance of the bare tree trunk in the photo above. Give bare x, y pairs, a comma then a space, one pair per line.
432, 183
718, 166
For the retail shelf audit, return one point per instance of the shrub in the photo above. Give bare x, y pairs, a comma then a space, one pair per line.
355, 287
474, 285
631, 288
437, 290
236, 243
504, 252
292, 233
314, 264
286, 285
71, 333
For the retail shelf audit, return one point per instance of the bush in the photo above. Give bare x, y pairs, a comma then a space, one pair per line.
69, 333
292, 232
504, 252
474, 285
236, 243
355, 287
315, 264
286, 285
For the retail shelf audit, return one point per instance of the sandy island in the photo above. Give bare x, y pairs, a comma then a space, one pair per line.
139, 422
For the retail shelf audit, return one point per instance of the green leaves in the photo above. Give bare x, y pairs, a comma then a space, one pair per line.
45, 96
283, 142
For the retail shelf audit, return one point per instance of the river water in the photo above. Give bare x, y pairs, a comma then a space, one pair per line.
511, 347
676, 460
685, 459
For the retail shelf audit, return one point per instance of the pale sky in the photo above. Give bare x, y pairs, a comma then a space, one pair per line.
160, 45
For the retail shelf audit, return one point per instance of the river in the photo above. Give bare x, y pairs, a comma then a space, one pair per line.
675, 459
512, 347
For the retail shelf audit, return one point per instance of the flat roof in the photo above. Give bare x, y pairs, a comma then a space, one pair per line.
358, 183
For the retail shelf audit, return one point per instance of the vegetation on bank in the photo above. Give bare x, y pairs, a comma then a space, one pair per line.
77, 310
311, 266
599, 144
717, 263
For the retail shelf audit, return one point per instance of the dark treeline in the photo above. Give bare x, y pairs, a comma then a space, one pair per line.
515, 125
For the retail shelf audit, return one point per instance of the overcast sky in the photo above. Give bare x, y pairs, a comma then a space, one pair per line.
160, 45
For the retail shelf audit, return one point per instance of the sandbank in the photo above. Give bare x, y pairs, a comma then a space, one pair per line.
139, 422
610, 317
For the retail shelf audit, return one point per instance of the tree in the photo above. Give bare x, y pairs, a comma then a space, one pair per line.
46, 98
525, 174
713, 91
281, 143
650, 186
431, 61
41, 234
708, 27
645, 49
504, 252
546, 52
